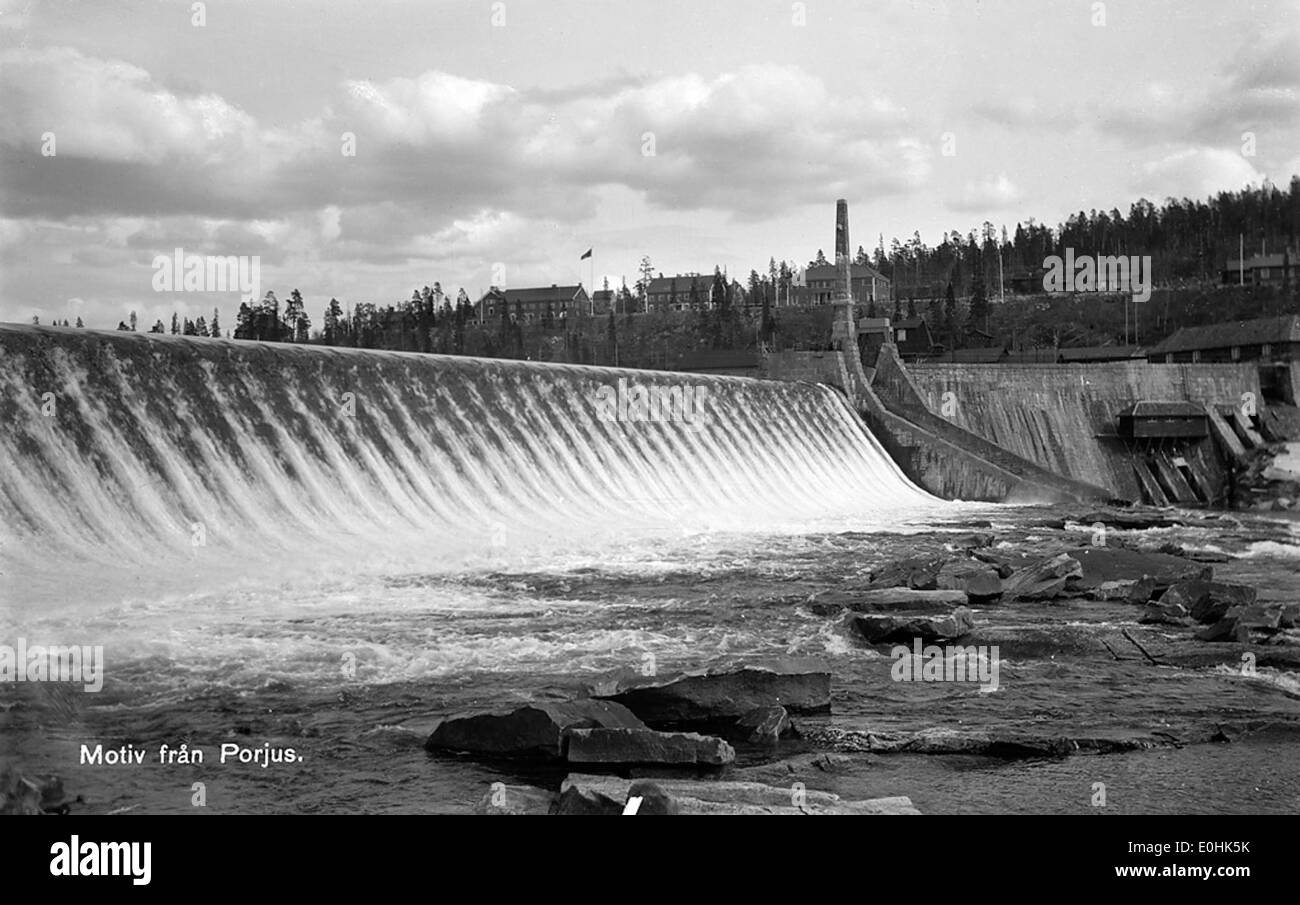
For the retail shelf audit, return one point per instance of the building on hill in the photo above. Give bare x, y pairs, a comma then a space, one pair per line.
1264, 270
674, 293
1274, 342
913, 338
602, 300
868, 284
533, 305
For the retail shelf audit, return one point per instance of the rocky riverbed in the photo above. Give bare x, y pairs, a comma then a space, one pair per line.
1024, 660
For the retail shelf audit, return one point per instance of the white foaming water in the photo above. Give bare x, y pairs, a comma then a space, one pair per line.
161, 487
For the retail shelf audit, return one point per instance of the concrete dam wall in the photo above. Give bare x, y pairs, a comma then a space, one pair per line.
1063, 417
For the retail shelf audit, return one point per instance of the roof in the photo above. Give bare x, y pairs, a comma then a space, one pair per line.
1101, 353
857, 272
664, 285
910, 323
1153, 409
603, 295
538, 294
1234, 333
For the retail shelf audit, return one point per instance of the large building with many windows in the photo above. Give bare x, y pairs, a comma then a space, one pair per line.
534, 305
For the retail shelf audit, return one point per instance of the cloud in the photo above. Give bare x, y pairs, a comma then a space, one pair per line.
442, 144
1196, 173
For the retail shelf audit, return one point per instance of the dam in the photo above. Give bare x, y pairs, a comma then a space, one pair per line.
128, 449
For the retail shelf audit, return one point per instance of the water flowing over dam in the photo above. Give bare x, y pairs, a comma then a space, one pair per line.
140, 450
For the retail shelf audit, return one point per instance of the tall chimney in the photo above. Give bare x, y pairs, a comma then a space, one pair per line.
844, 333
843, 278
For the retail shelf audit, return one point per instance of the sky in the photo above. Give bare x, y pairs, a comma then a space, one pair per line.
364, 148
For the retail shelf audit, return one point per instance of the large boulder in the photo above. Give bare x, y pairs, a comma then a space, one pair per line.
1209, 601
710, 797
723, 694
888, 599
1163, 612
534, 730
919, 574
1109, 563
646, 746
882, 628
576, 801
1044, 580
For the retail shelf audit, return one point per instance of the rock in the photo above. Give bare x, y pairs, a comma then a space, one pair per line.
655, 802
1259, 616
646, 746
1134, 520
1161, 612
906, 599
1044, 580
1226, 629
1112, 590
22, 794
878, 628
920, 574
1102, 564
516, 800
582, 802
1289, 616
1195, 555
972, 541
1209, 601
721, 695
983, 587
1143, 590
715, 797
534, 730
764, 725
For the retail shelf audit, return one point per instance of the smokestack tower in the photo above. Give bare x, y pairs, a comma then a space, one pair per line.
844, 332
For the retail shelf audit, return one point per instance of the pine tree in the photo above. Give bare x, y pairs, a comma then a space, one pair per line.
131, 321
176, 323
214, 329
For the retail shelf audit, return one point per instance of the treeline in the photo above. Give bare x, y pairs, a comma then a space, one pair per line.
1188, 241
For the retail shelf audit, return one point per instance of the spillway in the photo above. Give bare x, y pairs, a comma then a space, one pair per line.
138, 451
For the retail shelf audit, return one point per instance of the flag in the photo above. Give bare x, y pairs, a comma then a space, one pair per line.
586, 255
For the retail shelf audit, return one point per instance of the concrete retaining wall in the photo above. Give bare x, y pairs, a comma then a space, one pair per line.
1063, 416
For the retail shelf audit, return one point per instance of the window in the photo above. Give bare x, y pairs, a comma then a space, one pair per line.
902, 335
1236, 353
1266, 351
1196, 356
1169, 358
